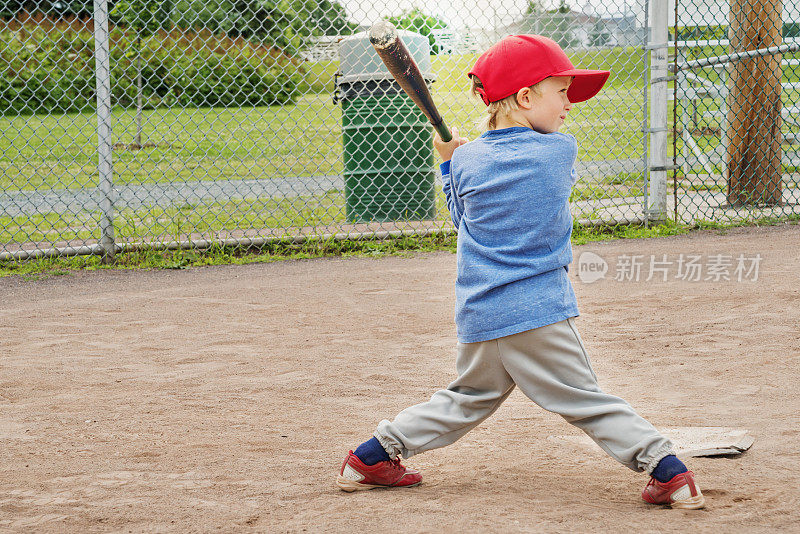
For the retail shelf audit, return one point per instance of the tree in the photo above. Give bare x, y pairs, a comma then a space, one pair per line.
145, 17
271, 22
555, 23
282, 24
327, 18
51, 8
416, 20
217, 16
754, 106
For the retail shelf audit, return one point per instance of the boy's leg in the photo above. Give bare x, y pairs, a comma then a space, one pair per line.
551, 367
482, 385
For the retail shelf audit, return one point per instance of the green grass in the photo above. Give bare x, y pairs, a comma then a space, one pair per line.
303, 139
623, 184
317, 248
179, 221
219, 255
50, 228
189, 145
317, 77
250, 143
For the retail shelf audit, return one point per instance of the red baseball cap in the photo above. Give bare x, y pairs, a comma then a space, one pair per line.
519, 61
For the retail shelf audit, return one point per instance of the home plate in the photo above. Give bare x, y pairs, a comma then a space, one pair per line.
689, 441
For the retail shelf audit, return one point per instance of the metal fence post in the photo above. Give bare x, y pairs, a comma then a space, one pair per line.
657, 195
104, 166
645, 111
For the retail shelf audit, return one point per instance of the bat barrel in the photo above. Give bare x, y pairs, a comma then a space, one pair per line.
400, 63
382, 34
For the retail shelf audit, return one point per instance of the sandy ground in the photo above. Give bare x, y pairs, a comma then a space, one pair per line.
224, 399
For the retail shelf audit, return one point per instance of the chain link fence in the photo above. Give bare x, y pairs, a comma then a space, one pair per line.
737, 110
182, 123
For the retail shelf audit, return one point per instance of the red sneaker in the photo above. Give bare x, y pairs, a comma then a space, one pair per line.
680, 492
356, 475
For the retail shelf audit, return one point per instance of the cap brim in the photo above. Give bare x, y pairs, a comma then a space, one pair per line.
586, 83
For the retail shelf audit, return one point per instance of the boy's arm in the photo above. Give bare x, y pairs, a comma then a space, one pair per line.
446, 150
454, 204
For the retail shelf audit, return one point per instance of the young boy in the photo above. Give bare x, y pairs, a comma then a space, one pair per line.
508, 196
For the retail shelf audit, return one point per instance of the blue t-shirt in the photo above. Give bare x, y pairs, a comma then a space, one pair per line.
508, 195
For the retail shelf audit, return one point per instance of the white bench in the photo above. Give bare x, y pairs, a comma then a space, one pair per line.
692, 88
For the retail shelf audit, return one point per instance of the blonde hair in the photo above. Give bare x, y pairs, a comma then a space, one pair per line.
500, 108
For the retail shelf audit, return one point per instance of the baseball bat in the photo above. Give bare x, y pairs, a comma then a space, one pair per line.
401, 65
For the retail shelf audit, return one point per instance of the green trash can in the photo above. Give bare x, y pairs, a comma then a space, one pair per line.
389, 169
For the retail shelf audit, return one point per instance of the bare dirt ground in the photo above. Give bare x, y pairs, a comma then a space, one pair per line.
224, 399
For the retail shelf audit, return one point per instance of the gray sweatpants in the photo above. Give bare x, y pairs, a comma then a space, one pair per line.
551, 367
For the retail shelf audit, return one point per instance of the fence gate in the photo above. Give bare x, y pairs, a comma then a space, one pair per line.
737, 109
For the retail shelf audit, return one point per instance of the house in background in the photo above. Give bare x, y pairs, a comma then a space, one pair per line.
622, 31
322, 48
574, 29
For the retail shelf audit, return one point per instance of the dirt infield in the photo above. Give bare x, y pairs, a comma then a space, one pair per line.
224, 399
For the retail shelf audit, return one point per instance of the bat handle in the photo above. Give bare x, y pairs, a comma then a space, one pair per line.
443, 131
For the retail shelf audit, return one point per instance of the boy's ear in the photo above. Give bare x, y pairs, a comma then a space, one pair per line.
524, 98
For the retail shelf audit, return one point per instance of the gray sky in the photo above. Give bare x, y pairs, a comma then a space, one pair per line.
477, 13
487, 14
